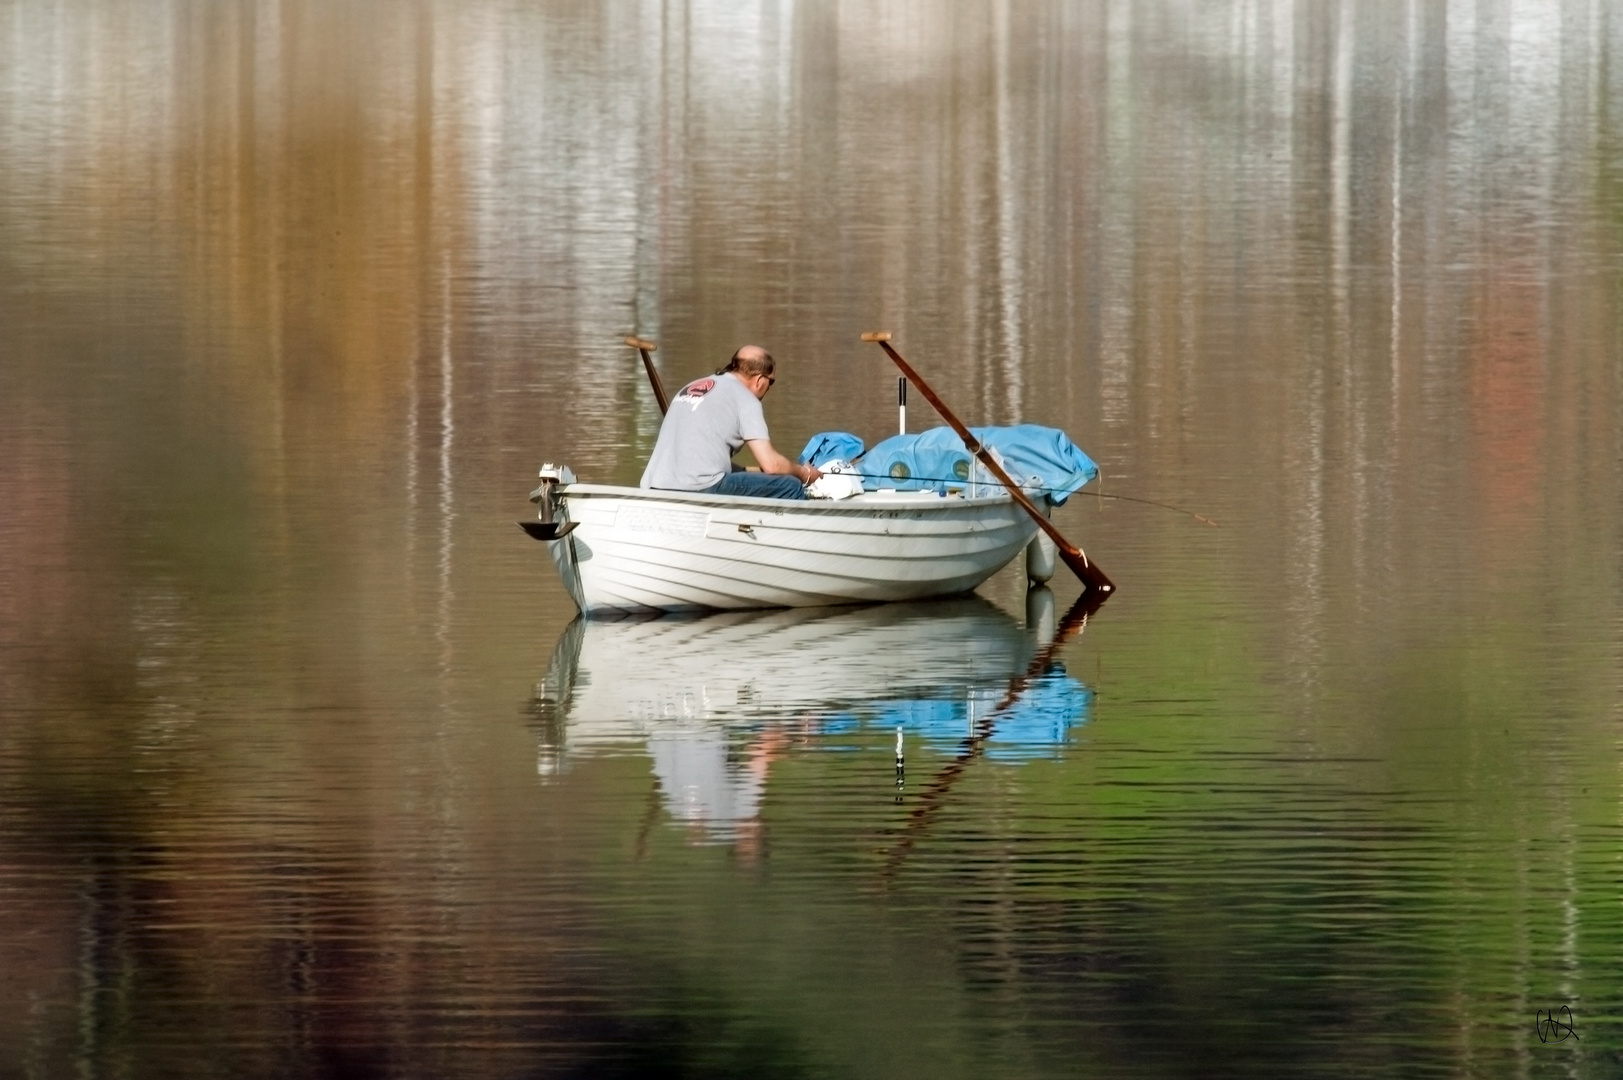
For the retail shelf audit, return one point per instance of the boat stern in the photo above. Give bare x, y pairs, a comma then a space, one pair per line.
553, 526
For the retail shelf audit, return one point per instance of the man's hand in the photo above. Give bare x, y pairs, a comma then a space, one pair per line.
775, 463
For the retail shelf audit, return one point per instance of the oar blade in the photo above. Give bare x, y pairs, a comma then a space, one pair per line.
1088, 573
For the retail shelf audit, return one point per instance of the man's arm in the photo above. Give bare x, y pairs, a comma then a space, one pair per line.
773, 462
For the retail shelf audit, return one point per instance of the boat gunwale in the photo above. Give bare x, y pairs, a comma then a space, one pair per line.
868, 501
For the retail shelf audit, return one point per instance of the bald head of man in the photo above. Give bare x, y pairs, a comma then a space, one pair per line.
752, 366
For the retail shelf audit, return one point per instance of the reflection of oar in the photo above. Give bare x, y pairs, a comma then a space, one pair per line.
934, 795
1093, 579
646, 347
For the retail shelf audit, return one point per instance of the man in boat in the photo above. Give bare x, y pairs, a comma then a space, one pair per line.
709, 420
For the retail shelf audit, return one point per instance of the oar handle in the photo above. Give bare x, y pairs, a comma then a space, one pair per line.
645, 347
1074, 557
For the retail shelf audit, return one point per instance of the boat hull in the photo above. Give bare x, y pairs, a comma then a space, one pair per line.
637, 550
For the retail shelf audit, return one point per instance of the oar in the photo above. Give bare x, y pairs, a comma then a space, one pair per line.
1090, 575
646, 347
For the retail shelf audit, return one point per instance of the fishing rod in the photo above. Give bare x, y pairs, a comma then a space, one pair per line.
1203, 519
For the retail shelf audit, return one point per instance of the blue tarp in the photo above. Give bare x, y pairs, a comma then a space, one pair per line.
1040, 458
832, 446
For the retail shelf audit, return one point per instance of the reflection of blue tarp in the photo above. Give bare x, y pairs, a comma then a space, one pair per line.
1038, 457
1034, 725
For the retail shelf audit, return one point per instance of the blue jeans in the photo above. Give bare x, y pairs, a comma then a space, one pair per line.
760, 485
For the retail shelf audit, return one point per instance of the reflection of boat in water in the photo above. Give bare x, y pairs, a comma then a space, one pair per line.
715, 698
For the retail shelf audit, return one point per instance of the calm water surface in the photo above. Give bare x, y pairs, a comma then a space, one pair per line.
305, 769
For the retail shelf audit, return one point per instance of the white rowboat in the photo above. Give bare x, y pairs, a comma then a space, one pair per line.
622, 549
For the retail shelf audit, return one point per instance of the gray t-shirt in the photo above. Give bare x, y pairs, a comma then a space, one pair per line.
709, 420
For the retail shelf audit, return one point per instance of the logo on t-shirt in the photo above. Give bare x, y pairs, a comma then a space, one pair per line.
695, 390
